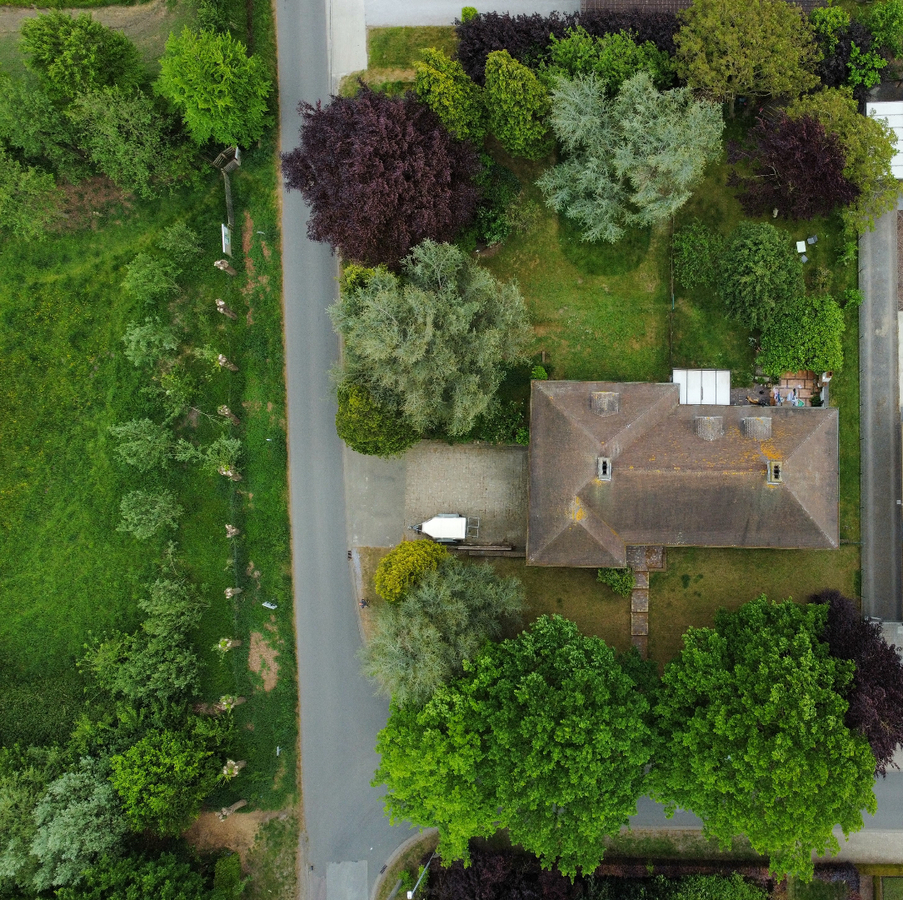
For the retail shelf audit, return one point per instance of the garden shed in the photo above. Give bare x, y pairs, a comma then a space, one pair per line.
892, 113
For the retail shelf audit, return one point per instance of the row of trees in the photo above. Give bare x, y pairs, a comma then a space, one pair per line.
771, 724
87, 106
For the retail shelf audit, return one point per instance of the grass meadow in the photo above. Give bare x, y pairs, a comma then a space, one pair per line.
66, 573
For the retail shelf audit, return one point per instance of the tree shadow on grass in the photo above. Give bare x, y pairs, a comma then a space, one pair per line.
601, 258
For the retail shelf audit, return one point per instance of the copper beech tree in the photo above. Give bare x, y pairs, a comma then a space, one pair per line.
380, 174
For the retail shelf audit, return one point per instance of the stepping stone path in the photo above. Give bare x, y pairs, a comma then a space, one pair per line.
642, 560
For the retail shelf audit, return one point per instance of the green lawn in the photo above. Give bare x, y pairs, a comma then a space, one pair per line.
66, 572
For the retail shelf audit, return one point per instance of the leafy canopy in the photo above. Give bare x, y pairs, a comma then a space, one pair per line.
753, 710
29, 198
760, 273
432, 342
445, 618
759, 48
805, 334
443, 85
74, 54
868, 144
400, 569
380, 175
163, 779
221, 91
797, 168
545, 735
613, 58
631, 160
518, 105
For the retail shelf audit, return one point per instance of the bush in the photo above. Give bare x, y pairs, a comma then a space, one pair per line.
499, 188
144, 514
146, 344
143, 444
501, 423
697, 252
468, 13
227, 877
445, 88
400, 569
759, 274
885, 21
518, 105
149, 279
807, 334
180, 242
371, 429
621, 581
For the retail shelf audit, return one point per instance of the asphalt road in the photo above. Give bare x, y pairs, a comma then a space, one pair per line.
879, 402
339, 714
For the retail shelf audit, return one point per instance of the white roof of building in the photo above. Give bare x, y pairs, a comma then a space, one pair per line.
711, 387
892, 113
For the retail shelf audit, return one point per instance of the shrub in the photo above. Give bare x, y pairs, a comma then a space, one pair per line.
499, 188
180, 242
145, 344
149, 279
885, 21
539, 373
621, 581
518, 105
759, 273
144, 514
806, 334
369, 428
400, 569
468, 13
143, 444
613, 58
227, 882
446, 89
697, 252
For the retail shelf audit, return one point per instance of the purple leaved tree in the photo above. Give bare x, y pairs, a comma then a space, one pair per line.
876, 697
381, 175
796, 168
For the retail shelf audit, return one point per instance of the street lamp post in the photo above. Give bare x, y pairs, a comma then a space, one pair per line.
426, 869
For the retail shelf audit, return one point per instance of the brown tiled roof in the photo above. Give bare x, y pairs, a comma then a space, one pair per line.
674, 481
664, 5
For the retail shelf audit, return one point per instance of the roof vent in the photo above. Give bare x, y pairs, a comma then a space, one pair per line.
603, 468
775, 471
605, 403
757, 427
709, 428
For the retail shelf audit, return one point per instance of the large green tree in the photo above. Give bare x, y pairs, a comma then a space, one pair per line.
432, 342
759, 273
757, 48
221, 91
546, 735
754, 741
421, 642
807, 334
631, 160
869, 145
78, 820
163, 779
74, 54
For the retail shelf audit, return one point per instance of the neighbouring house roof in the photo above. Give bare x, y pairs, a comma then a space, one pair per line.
620, 464
665, 5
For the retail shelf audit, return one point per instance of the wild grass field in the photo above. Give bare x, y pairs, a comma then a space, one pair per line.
67, 574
